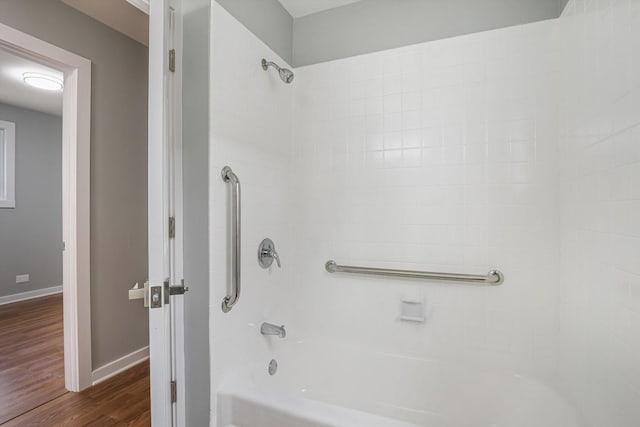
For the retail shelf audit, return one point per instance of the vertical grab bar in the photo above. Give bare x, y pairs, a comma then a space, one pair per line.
230, 300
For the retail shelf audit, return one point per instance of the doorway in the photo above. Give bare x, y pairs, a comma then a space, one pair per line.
75, 75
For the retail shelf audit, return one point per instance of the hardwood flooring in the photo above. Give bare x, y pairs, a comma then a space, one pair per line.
32, 389
119, 401
31, 354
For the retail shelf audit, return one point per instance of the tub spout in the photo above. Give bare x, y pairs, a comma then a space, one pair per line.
269, 329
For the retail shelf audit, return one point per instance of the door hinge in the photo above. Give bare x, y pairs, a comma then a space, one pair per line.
172, 227
174, 392
172, 60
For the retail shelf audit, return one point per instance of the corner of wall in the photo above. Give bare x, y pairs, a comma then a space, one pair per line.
562, 5
266, 19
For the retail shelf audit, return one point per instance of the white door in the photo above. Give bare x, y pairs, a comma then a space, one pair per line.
164, 204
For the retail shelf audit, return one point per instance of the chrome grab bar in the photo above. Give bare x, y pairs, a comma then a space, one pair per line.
495, 277
230, 300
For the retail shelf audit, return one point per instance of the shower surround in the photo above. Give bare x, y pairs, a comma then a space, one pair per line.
599, 228
436, 157
516, 149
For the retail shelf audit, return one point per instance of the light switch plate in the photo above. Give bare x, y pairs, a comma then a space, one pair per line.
23, 278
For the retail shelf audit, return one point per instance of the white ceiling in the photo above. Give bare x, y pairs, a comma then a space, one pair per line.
120, 15
298, 8
14, 91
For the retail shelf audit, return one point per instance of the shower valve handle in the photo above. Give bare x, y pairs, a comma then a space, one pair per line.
275, 256
267, 253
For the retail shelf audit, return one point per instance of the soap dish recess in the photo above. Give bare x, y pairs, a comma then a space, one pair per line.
412, 311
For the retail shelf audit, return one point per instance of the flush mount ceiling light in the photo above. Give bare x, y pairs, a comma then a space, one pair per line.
43, 81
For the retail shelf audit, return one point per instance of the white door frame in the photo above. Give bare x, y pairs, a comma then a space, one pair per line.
159, 211
176, 210
76, 137
166, 338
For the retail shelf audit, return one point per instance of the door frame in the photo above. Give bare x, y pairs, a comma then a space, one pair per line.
174, 106
166, 323
76, 146
159, 185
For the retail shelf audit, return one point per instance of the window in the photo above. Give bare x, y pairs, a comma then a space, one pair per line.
7, 164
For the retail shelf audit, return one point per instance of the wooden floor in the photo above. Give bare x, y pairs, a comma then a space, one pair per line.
120, 401
32, 389
31, 355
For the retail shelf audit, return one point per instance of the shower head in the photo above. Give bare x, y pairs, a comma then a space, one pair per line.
285, 75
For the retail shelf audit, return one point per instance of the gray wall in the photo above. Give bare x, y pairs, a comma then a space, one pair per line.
31, 234
195, 144
118, 165
375, 25
268, 20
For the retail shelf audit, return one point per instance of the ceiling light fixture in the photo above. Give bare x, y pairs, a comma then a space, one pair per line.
43, 81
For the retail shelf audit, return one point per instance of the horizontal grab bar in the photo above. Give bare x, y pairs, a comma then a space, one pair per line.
495, 277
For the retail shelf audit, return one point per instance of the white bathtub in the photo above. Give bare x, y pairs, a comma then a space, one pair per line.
336, 384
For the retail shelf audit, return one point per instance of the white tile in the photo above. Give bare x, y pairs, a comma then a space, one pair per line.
393, 122
392, 140
412, 138
515, 149
411, 101
393, 103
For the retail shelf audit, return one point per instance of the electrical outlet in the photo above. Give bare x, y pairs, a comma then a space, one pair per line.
23, 278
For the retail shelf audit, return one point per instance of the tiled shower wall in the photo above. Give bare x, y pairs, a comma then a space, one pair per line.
600, 209
515, 149
439, 156
250, 132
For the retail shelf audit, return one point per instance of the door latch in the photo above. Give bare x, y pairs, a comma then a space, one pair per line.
138, 292
173, 290
178, 290
153, 295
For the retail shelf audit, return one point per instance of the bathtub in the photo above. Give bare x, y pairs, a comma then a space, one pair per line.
332, 384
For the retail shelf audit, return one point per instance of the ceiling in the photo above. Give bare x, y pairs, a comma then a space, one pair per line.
16, 92
298, 8
121, 15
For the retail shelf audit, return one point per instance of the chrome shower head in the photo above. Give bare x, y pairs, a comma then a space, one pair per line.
285, 74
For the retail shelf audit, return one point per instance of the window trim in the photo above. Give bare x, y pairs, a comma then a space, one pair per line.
9, 128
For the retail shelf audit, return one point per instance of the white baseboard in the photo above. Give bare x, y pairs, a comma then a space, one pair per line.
23, 296
119, 365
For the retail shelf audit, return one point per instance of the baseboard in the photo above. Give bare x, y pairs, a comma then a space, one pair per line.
23, 296
119, 365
